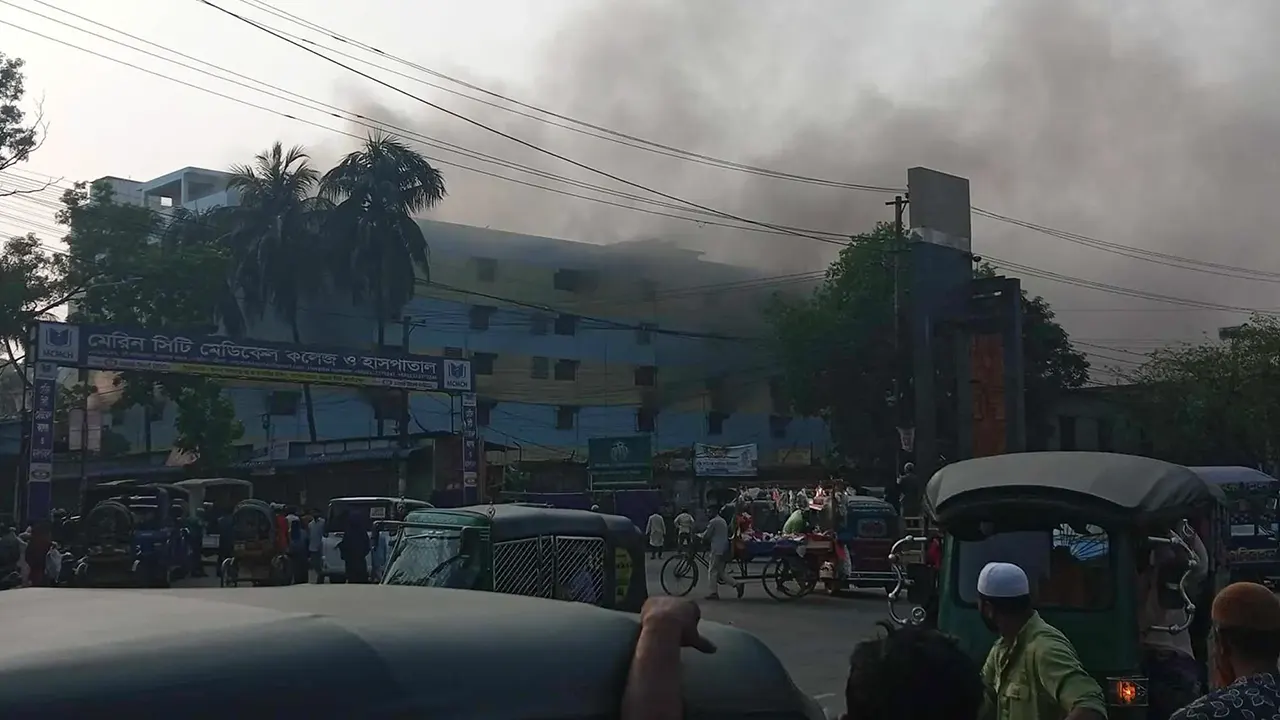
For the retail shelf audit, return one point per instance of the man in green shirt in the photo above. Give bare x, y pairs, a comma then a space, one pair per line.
1032, 668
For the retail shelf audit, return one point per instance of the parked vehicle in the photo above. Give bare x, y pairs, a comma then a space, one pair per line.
521, 549
260, 555
1250, 535
371, 510
866, 528
132, 536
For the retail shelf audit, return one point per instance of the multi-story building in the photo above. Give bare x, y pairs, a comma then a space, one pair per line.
569, 341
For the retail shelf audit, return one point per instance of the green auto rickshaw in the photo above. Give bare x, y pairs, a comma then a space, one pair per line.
1079, 524
521, 549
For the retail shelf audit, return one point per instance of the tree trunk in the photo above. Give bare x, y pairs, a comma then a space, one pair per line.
306, 387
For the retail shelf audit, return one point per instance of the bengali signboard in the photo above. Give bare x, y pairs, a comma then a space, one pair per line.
470, 441
625, 460
118, 348
725, 460
44, 392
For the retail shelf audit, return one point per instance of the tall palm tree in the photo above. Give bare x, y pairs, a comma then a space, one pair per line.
378, 246
277, 228
207, 244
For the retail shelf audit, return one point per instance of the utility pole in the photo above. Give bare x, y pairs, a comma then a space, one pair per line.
402, 480
899, 204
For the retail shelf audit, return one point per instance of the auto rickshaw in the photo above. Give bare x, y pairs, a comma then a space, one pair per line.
132, 536
519, 549
1078, 523
866, 528
1249, 522
259, 553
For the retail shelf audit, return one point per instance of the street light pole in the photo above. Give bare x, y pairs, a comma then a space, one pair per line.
899, 204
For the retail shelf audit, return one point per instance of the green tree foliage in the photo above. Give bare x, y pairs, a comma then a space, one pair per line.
837, 349
1214, 403
18, 138
141, 268
33, 281
377, 246
279, 237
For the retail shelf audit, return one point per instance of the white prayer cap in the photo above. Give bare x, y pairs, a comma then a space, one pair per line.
1003, 580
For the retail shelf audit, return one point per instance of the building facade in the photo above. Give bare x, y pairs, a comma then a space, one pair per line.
568, 340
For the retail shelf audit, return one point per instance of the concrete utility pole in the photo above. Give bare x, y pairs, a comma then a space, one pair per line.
402, 479
899, 204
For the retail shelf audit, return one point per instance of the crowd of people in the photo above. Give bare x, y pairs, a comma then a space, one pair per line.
1031, 672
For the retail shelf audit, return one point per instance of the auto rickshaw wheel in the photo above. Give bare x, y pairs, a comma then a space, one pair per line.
787, 577
676, 572
227, 578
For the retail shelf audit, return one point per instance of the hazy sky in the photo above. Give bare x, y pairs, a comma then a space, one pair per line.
1150, 126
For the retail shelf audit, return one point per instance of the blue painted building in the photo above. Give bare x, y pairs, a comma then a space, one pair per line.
569, 341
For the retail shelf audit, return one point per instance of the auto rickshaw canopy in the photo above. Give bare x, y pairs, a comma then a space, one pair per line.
1123, 488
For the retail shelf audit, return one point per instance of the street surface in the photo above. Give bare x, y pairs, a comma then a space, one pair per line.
812, 636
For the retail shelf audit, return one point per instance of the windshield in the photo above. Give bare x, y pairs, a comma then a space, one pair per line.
432, 558
1069, 566
370, 511
146, 517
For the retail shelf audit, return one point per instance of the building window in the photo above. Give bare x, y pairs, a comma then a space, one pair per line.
566, 369
645, 419
778, 426
575, 281
646, 375
480, 315
644, 333
454, 353
1066, 432
484, 411
538, 324
486, 269
1106, 435
279, 403
541, 368
715, 423
566, 324
565, 417
482, 363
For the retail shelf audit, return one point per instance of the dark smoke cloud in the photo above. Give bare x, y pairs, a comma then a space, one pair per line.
1153, 127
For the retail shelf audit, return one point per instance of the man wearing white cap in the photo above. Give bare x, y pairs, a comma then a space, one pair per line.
1032, 667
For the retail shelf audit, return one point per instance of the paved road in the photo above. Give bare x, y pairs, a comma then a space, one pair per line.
812, 636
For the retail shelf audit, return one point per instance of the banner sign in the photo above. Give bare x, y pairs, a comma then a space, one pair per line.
626, 460
44, 392
470, 441
725, 460
118, 348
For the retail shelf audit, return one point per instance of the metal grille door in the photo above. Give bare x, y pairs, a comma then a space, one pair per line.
520, 567
580, 569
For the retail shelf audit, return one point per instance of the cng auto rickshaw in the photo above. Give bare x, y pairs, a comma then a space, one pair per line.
1250, 536
519, 549
1078, 523
866, 528
259, 553
132, 537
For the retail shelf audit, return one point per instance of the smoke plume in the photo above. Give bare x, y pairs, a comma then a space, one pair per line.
1151, 127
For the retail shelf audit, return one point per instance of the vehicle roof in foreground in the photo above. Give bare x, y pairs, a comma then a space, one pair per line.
1233, 475
352, 651
513, 521
1126, 483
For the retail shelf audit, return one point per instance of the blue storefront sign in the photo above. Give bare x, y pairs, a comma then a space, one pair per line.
44, 388
121, 348
470, 442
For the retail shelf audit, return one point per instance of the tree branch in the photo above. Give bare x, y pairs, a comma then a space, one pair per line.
26, 384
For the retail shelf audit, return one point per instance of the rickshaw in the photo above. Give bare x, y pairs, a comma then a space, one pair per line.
866, 529
132, 537
518, 549
359, 651
210, 499
1077, 523
258, 553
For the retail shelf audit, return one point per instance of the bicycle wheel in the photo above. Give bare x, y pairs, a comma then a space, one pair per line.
786, 578
679, 575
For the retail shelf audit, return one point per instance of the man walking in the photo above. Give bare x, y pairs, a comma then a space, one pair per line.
1032, 668
717, 536
656, 529
315, 545
684, 528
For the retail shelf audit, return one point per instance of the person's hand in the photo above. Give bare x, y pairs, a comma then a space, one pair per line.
677, 617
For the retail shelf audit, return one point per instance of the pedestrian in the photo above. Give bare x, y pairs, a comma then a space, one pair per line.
1244, 655
1032, 668
355, 549
315, 545
684, 523
656, 529
298, 543
1168, 659
717, 537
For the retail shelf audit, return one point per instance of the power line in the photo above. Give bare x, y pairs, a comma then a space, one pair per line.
519, 141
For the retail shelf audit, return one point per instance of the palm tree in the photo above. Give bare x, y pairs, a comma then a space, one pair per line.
207, 245
277, 228
378, 246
